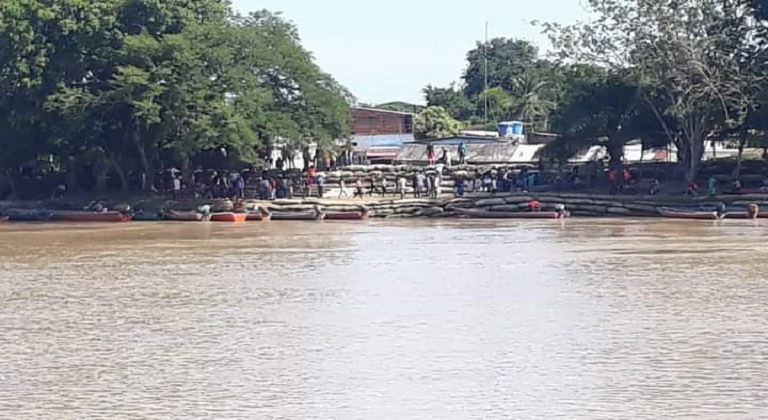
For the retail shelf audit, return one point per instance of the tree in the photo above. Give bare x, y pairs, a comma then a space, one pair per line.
520, 85
507, 60
684, 55
607, 112
453, 100
435, 122
132, 86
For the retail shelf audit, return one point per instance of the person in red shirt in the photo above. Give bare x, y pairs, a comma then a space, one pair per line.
534, 205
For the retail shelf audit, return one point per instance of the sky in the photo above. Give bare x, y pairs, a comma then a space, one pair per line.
389, 50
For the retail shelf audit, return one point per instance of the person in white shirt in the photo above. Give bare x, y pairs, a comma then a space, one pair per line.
176, 187
401, 186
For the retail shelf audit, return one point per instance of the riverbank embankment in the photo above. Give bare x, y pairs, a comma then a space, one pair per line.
578, 204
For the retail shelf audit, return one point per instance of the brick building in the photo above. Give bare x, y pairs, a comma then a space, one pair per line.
372, 122
379, 134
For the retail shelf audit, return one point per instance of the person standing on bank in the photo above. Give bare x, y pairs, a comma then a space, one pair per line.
447, 157
177, 187
401, 186
462, 153
320, 186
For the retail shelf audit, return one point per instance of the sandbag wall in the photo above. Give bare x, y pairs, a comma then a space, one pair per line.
578, 204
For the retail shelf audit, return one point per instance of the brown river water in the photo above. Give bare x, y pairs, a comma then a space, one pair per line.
582, 318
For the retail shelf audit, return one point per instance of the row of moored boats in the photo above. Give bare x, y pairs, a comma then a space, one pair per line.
179, 216
706, 214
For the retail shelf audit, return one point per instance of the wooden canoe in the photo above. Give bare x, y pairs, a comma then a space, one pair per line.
258, 216
346, 215
743, 215
146, 217
30, 216
185, 216
689, 214
229, 217
87, 216
485, 214
304, 215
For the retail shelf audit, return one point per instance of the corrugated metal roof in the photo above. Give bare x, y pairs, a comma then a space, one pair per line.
383, 111
455, 140
381, 140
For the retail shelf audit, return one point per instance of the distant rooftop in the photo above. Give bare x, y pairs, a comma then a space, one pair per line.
386, 111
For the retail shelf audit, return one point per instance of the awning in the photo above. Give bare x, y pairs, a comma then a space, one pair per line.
382, 152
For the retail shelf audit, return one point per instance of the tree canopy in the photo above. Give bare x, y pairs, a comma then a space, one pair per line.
681, 72
435, 122
133, 86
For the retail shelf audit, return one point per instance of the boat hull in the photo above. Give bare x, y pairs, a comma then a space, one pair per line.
179, 216
346, 215
229, 217
142, 217
689, 214
484, 214
258, 217
289, 216
30, 217
744, 215
77, 216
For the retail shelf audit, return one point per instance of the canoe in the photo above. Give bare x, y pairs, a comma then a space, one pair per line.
346, 215
229, 217
185, 216
304, 215
688, 214
146, 217
87, 216
258, 216
743, 215
31, 216
485, 214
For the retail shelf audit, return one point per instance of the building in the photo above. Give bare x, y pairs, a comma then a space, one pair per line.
378, 135
371, 122
485, 150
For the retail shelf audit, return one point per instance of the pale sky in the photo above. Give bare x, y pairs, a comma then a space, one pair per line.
388, 50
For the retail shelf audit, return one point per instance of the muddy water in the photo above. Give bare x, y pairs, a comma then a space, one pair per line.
413, 319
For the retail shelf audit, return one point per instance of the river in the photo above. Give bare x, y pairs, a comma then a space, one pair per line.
582, 318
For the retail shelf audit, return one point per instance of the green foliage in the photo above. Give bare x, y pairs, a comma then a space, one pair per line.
137, 85
692, 60
435, 122
521, 86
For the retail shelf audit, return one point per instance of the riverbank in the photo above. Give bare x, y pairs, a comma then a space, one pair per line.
578, 204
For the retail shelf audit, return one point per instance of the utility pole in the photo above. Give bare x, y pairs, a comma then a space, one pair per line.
485, 75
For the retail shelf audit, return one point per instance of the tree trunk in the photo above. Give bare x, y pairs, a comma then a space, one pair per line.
10, 180
186, 173
615, 153
100, 176
146, 168
121, 175
71, 174
742, 144
695, 150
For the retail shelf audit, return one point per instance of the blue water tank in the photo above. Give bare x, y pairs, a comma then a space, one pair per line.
509, 128
517, 127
